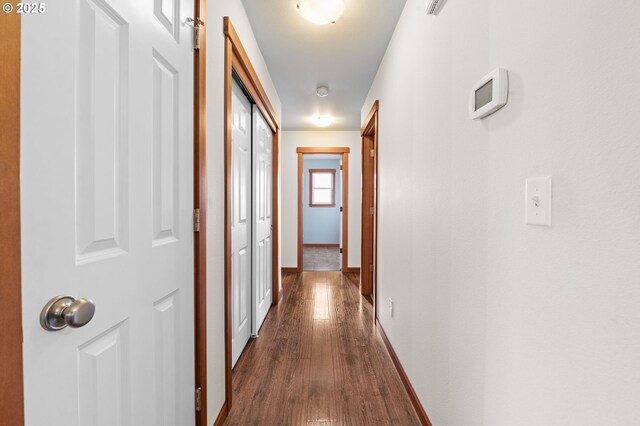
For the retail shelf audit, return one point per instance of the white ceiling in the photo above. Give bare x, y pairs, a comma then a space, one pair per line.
343, 56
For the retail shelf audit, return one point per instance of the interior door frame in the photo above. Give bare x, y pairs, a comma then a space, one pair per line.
11, 376
237, 60
369, 231
301, 151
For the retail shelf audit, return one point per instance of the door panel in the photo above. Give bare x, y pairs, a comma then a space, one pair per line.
262, 208
104, 388
240, 222
107, 200
101, 155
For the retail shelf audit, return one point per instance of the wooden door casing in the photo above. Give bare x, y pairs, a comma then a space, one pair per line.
11, 383
344, 151
368, 266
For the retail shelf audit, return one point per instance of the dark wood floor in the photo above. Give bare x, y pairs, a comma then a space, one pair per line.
319, 361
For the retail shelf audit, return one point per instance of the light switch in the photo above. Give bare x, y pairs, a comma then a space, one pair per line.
538, 201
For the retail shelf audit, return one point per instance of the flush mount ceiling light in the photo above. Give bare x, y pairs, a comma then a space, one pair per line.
322, 91
323, 120
321, 12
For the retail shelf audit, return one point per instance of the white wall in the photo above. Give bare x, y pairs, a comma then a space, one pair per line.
290, 140
216, 10
497, 322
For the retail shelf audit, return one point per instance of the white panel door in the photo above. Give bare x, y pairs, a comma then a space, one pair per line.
107, 199
261, 206
240, 222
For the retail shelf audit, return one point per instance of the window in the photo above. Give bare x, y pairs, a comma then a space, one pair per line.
322, 191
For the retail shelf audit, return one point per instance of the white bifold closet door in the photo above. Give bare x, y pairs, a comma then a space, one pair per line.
262, 229
107, 212
251, 233
241, 306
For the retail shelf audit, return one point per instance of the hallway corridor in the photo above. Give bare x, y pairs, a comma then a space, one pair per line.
318, 361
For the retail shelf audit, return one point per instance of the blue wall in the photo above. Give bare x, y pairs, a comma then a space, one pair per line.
321, 224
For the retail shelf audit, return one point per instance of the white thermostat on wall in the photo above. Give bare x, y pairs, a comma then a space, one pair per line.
489, 94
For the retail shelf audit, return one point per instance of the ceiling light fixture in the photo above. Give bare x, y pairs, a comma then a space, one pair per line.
323, 120
322, 91
321, 12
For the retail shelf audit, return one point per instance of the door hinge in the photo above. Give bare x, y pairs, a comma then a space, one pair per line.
370, 210
340, 166
198, 398
372, 153
340, 208
340, 250
196, 24
196, 220
371, 268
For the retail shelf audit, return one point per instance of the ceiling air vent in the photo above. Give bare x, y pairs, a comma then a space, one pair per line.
435, 6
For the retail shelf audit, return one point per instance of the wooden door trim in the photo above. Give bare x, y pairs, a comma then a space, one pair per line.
369, 134
300, 210
368, 126
236, 59
301, 151
200, 202
345, 211
11, 378
243, 65
323, 150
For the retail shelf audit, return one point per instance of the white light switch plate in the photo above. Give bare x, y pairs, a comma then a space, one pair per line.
538, 201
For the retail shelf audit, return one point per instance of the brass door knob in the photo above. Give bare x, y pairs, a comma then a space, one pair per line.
63, 311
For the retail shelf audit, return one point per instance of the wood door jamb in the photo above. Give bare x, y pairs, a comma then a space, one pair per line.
11, 377
369, 226
200, 202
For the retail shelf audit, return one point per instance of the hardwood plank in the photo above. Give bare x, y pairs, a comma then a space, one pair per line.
320, 395
319, 361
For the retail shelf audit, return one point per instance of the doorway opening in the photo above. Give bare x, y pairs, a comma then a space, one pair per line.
323, 208
321, 224
369, 253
